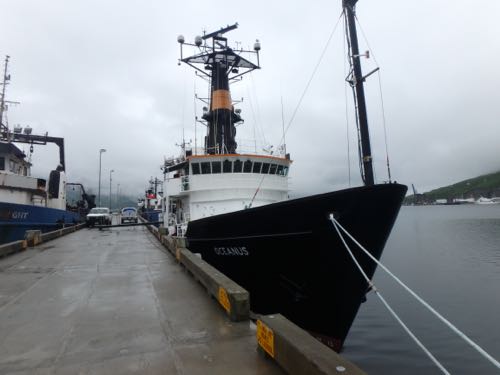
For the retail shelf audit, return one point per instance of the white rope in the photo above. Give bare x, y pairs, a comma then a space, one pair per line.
418, 298
393, 313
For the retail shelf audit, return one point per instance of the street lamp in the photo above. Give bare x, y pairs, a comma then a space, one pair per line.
111, 171
117, 195
99, 194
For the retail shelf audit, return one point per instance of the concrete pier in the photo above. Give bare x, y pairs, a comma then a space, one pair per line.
113, 301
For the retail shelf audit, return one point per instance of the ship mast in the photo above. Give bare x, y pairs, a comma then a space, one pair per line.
27, 137
2, 99
356, 80
221, 64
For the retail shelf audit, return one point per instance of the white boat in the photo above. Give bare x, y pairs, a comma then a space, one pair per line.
486, 201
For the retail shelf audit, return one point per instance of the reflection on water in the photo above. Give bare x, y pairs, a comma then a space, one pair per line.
450, 255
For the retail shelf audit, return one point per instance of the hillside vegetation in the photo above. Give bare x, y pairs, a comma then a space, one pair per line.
487, 185
481, 185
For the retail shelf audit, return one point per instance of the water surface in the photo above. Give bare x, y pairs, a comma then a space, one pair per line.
450, 256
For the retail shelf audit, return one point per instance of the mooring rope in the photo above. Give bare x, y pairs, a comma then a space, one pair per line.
393, 313
481, 351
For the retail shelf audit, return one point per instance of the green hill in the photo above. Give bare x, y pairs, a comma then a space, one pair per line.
487, 185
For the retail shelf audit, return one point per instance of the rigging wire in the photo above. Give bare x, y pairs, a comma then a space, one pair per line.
258, 120
385, 127
355, 100
311, 77
252, 112
283, 125
195, 120
381, 98
347, 114
419, 299
281, 142
184, 90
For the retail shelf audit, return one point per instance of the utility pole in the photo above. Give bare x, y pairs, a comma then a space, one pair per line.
110, 172
99, 192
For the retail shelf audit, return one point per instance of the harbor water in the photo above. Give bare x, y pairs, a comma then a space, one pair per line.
450, 256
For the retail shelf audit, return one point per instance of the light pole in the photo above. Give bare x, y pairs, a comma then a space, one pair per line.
110, 172
99, 193
117, 195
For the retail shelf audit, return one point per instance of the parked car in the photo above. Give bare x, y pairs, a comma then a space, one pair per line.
129, 215
98, 215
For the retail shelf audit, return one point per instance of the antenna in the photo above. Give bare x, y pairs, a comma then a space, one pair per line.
221, 65
4, 85
4, 127
283, 125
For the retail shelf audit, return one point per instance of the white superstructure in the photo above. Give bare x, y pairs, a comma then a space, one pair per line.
199, 186
18, 187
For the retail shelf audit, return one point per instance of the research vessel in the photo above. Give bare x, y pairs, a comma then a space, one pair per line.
234, 209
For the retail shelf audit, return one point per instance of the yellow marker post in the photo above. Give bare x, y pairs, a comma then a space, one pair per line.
265, 338
224, 300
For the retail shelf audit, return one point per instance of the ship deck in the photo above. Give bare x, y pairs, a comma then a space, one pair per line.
114, 302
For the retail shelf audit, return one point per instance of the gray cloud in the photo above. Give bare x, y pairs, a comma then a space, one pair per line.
105, 75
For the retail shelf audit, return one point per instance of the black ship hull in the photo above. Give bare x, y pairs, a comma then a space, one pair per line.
291, 260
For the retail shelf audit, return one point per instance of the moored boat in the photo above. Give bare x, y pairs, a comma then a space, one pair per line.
27, 202
233, 208
150, 206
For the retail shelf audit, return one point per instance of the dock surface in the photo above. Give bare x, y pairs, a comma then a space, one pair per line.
114, 302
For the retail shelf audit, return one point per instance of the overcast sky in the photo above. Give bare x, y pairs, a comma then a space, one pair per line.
104, 74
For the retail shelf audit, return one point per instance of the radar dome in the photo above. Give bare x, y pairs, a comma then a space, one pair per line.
256, 45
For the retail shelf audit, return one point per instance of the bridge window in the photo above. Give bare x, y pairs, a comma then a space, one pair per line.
196, 168
205, 167
273, 168
280, 170
256, 167
247, 167
227, 166
2, 163
216, 167
237, 166
265, 168
285, 171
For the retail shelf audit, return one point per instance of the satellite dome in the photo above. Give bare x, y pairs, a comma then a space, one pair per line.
256, 45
